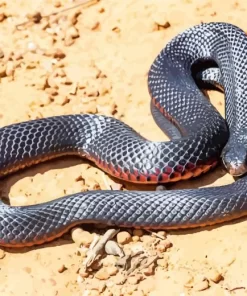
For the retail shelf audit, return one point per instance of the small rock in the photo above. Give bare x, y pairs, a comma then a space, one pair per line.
81, 237
72, 32
161, 248
201, 285
162, 234
32, 47
62, 268
133, 280
35, 17
109, 260
214, 276
83, 273
102, 274
166, 244
112, 270
2, 254
138, 232
59, 54
123, 237
135, 238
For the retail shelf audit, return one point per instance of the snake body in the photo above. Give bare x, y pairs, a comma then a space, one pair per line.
199, 138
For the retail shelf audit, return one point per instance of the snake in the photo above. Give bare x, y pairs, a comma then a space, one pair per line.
204, 56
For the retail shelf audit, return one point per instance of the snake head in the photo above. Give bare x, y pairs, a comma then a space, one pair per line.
234, 158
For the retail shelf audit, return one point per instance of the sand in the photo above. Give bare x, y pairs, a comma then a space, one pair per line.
103, 70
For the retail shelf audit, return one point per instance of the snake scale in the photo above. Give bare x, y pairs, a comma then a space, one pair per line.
205, 54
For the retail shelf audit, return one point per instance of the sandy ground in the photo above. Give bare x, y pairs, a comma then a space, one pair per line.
100, 66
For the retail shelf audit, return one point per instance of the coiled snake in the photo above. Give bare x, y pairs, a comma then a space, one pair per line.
199, 138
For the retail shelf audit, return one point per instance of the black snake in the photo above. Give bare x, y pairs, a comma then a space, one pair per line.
206, 54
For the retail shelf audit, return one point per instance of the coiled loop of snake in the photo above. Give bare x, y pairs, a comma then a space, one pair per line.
199, 137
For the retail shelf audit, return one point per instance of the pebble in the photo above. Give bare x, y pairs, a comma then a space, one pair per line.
109, 260
2, 254
135, 279
166, 244
112, 270
138, 232
32, 47
83, 273
72, 32
102, 274
123, 237
35, 17
162, 234
58, 54
81, 237
135, 238
62, 268
214, 276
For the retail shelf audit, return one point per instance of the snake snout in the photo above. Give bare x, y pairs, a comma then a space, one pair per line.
235, 160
